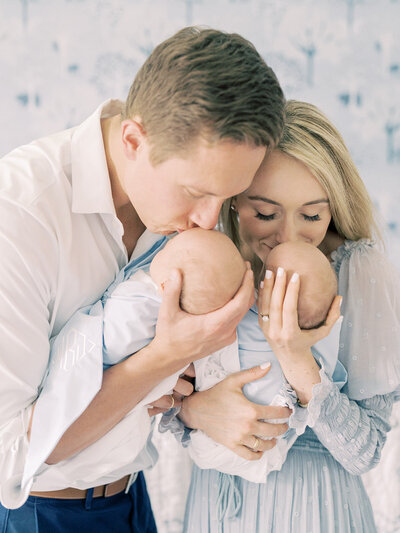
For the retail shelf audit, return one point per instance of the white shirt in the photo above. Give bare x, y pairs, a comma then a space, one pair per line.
60, 247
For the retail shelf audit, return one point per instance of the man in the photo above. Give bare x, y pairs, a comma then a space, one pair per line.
199, 117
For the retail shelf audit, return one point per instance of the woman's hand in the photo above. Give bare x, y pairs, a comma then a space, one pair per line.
183, 387
225, 415
277, 306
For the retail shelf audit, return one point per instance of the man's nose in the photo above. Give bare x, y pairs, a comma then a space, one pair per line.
206, 214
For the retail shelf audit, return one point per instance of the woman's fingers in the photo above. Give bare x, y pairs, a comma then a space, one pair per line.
277, 298
289, 315
264, 296
334, 312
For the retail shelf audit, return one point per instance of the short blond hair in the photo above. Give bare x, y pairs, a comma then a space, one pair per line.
311, 138
204, 82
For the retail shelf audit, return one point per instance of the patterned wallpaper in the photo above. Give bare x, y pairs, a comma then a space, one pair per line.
60, 58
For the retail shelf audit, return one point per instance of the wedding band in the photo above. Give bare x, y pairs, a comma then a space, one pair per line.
265, 317
256, 443
172, 402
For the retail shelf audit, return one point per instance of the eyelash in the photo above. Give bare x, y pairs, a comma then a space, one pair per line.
313, 218
193, 195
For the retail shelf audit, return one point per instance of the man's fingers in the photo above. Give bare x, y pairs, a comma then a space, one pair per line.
235, 309
167, 402
189, 372
183, 387
153, 411
172, 291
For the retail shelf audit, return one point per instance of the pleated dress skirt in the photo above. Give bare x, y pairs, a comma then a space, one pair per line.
312, 493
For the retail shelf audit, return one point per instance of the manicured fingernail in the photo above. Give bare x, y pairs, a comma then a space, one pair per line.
268, 274
279, 272
295, 277
340, 319
265, 365
261, 284
341, 301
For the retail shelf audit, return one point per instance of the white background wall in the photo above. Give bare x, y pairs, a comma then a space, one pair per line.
59, 59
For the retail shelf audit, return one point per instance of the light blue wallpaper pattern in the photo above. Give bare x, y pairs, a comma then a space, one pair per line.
60, 58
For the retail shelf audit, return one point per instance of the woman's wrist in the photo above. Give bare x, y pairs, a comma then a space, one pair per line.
302, 373
186, 413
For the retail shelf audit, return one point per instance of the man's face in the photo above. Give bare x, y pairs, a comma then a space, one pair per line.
188, 191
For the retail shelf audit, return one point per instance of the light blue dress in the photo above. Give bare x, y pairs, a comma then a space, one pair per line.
319, 489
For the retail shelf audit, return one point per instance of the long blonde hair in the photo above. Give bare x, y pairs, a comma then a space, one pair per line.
310, 137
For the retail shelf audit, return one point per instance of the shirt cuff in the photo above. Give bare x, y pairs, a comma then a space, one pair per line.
302, 417
170, 422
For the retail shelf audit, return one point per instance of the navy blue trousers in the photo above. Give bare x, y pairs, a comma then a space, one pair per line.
121, 513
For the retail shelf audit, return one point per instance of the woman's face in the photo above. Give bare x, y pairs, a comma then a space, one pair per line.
284, 203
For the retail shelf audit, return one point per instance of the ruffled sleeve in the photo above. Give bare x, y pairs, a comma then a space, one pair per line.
370, 335
354, 432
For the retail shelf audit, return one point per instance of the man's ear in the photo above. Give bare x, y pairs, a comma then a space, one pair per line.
133, 137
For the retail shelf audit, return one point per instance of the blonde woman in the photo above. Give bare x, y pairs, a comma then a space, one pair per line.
308, 189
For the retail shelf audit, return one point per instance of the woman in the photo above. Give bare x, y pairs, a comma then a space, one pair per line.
308, 189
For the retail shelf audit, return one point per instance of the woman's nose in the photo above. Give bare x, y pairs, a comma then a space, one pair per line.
286, 233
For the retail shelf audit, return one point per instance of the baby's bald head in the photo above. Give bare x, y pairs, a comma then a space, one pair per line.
318, 284
211, 265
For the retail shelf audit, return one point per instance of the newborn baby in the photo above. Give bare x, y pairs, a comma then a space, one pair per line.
122, 322
211, 265
318, 283
318, 287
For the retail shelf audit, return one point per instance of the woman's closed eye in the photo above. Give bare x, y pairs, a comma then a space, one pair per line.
312, 218
265, 217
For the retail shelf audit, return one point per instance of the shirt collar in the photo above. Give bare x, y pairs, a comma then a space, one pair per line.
91, 187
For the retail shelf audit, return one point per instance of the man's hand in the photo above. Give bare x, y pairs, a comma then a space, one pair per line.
183, 387
182, 337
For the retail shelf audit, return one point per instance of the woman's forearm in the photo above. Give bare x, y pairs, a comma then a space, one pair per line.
302, 372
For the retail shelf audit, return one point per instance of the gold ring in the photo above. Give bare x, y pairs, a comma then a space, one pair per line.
256, 443
265, 317
172, 402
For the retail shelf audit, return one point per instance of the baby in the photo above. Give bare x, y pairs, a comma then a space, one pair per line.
318, 287
318, 283
122, 322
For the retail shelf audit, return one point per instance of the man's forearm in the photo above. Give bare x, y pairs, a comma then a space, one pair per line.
124, 386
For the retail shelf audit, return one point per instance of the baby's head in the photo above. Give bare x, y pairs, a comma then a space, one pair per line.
211, 265
318, 284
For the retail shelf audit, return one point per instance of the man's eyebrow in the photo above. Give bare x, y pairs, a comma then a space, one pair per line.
269, 201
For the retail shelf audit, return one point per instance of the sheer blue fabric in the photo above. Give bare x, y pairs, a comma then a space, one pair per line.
319, 488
